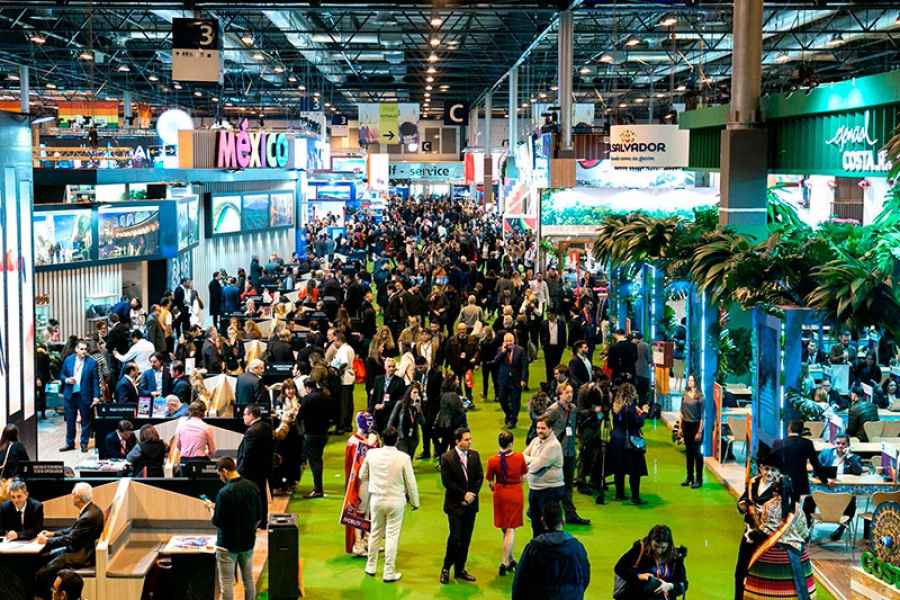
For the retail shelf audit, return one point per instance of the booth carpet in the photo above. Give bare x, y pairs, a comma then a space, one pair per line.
704, 520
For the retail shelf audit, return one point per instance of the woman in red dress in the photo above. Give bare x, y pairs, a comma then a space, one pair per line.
504, 476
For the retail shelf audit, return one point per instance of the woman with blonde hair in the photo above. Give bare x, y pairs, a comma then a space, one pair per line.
625, 444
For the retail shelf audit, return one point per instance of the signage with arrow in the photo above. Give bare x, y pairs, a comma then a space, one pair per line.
389, 122
197, 50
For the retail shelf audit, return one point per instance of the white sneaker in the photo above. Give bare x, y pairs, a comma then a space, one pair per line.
392, 578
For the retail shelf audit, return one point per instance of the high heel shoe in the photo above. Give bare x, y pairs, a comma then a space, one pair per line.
687, 482
512, 566
503, 570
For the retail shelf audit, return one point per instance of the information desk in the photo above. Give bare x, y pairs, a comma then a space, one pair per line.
858, 485
226, 428
193, 565
863, 449
18, 563
45, 489
114, 467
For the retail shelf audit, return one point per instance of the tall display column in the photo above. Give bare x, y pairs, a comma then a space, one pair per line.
17, 368
488, 159
744, 145
562, 166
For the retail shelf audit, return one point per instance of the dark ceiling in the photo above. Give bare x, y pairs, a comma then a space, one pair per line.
277, 53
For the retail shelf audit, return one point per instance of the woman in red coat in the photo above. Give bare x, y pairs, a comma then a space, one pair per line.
504, 476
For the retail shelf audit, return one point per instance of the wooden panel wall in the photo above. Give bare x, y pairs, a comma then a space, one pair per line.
69, 289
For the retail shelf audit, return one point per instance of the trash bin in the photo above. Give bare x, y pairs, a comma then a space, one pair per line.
284, 557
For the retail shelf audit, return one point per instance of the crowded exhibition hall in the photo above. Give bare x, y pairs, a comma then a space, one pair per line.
530, 299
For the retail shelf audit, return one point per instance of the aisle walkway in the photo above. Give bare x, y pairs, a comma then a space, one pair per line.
703, 520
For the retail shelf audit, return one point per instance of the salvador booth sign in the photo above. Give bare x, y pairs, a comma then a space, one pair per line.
648, 146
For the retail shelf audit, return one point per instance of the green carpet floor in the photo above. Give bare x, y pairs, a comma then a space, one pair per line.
705, 521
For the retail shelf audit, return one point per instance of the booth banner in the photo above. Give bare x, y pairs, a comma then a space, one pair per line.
514, 224
649, 146
717, 428
80, 115
427, 171
17, 335
11, 106
388, 123
356, 498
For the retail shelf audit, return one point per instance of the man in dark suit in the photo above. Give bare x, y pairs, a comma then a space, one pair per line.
794, 452
231, 297
250, 389
553, 341
156, 381
254, 456
212, 356
81, 390
310, 347
462, 476
21, 517
126, 389
256, 270
387, 390
181, 387
118, 340
72, 547
279, 349
215, 297
121, 441
622, 358
512, 373
811, 354
461, 354
580, 365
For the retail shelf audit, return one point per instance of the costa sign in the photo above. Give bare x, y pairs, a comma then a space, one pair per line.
854, 159
246, 149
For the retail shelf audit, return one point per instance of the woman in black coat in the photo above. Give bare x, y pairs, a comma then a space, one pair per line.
652, 569
148, 456
451, 414
627, 421
12, 452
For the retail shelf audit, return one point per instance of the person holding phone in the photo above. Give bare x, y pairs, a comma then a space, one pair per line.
407, 417
653, 568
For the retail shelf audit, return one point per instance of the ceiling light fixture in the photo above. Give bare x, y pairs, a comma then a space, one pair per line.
247, 39
606, 58
427, 95
836, 40
429, 79
316, 94
436, 21
176, 85
554, 88
258, 56
51, 86
302, 88
782, 58
681, 87
433, 57
431, 70
292, 79
668, 19
198, 94
632, 41
278, 69
584, 70
152, 77
444, 87
428, 88
38, 39
123, 69
86, 56
435, 42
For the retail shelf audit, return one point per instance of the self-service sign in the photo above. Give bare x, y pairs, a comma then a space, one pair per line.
197, 50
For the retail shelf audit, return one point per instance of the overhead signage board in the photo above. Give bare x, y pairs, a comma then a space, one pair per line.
456, 113
388, 123
654, 146
197, 50
427, 171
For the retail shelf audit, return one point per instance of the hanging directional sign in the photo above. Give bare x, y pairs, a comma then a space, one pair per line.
197, 50
388, 117
456, 112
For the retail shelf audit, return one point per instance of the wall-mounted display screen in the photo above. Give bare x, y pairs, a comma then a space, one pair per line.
188, 222
348, 164
332, 190
281, 209
62, 237
225, 211
131, 232
255, 212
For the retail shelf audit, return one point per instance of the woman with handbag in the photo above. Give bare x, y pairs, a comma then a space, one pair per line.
652, 569
627, 445
13, 453
691, 428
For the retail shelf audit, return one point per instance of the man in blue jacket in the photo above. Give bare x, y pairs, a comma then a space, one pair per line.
81, 390
231, 297
554, 565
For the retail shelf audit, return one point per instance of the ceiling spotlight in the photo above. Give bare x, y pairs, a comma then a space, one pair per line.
427, 94
302, 88
433, 57
86, 56
123, 69
436, 21
431, 70
327, 104
316, 94
584, 70
278, 69
836, 40
668, 19
429, 79
554, 88
632, 41
258, 56
638, 100
782, 58
198, 94
247, 39
542, 95
152, 77
214, 100
51, 86
444, 87
428, 87
176, 85
681, 87
623, 105
292, 79
435, 42
606, 57
38, 39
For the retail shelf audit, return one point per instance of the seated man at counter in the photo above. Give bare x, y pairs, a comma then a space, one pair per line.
812, 355
279, 349
21, 517
862, 410
175, 408
846, 463
67, 586
834, 398
72, 547
120, 442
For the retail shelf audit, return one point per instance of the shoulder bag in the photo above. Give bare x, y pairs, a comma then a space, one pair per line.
621, 589
635, 443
